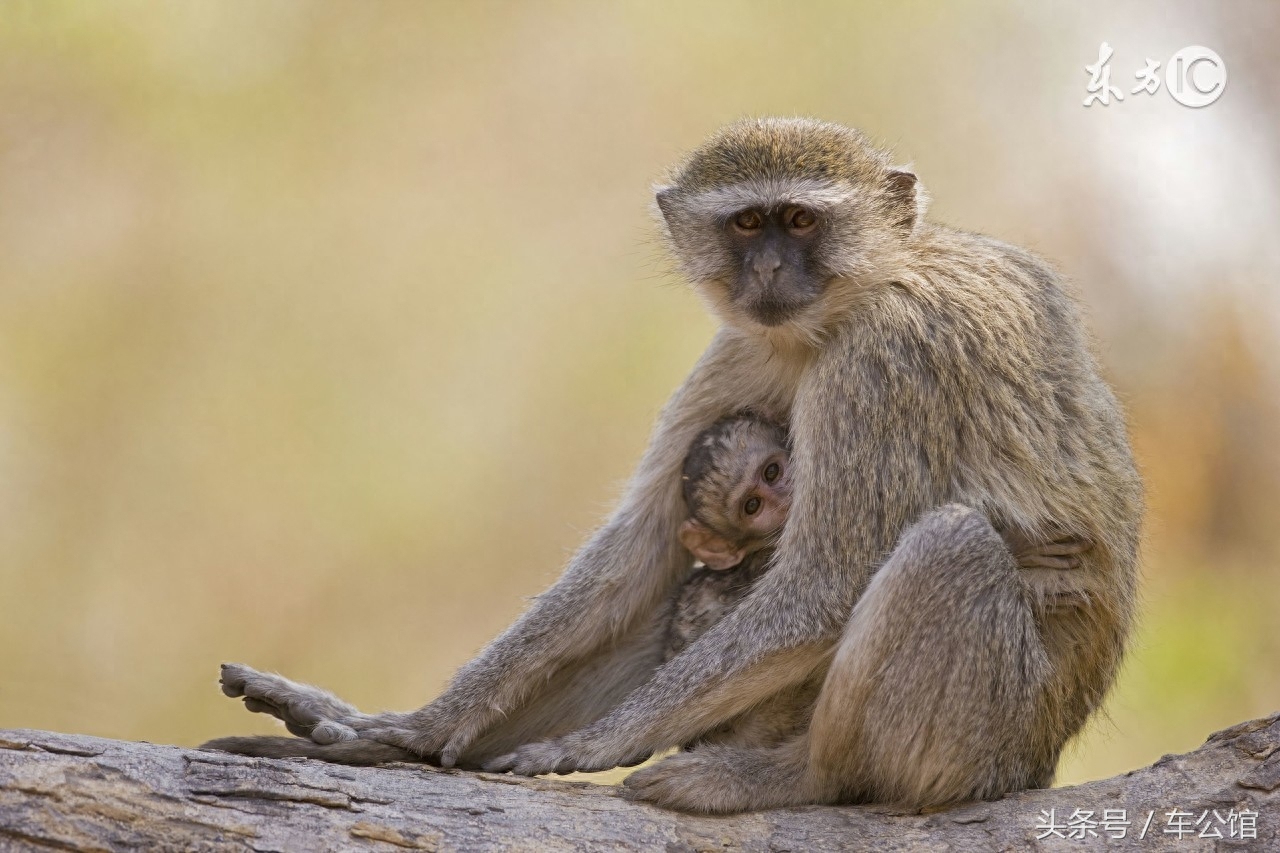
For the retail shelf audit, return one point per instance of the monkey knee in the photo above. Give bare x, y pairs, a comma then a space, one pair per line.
952, 532
948, 556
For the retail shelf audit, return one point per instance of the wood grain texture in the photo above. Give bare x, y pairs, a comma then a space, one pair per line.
72, 792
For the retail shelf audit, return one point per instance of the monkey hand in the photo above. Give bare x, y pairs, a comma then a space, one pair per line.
306, 711
1062, 553
437, 733
1050, 571
573, 753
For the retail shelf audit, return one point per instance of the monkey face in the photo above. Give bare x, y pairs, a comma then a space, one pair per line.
776, 276
781, 223
762, 502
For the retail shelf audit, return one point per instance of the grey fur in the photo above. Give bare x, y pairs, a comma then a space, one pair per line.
939, 388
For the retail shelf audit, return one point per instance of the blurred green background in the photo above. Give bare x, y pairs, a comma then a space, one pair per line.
328, 330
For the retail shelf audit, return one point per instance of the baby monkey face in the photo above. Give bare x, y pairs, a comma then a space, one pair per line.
738, 485
756, 508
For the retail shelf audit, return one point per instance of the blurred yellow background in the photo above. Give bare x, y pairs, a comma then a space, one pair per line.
328, 330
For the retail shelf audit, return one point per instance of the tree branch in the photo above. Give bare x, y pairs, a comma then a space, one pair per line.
72, 792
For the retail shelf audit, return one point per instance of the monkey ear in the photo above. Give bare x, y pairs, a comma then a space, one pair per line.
665, 199
710, 547
907, 199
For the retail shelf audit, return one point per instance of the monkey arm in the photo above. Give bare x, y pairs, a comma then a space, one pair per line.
739, 662
839, 527
877, 431
624, 572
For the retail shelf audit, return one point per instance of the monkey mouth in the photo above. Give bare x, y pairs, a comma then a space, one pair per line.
773, 313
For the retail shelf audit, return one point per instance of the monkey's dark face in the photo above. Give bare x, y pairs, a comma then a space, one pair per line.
782, 224
776, 276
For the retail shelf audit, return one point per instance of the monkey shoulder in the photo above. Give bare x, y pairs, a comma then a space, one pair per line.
967, 308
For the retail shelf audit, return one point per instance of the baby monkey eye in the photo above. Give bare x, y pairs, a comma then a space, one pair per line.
771, 472
752, 506
800, 219
748, 220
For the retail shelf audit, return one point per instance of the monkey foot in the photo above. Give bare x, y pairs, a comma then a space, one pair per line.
706, 780
305, 711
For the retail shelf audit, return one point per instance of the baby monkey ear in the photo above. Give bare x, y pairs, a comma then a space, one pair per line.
907, 199
710, 547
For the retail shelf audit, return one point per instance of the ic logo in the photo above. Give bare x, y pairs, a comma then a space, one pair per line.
1195, 76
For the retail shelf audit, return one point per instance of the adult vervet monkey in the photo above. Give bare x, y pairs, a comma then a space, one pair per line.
939, 388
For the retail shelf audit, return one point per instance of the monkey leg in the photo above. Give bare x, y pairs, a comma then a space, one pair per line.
579, 694
935, 694
576, 696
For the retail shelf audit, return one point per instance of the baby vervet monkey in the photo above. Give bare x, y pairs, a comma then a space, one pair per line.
737, 484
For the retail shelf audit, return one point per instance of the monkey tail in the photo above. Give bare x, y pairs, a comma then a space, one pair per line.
356, 752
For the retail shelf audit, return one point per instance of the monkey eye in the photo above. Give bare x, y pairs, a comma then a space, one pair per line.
800, 219
771, 472
752, 506
748, 220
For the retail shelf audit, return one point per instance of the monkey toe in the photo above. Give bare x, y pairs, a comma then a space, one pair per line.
535, 759
299, 707
710, 781
672, 783
328, 731
257, 706
232, 678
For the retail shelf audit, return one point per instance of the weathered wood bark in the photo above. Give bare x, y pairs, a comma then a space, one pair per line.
82, 793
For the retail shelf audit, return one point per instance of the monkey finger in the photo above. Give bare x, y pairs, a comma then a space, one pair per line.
532, 765
258, 706
232, 678
289, 714
501, 764
1042, 561
637, 759
535, 759
454, 748
328, 731
1061, 602
1066, 546
677, 782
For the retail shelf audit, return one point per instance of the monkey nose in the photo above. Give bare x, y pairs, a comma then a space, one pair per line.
766, 264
